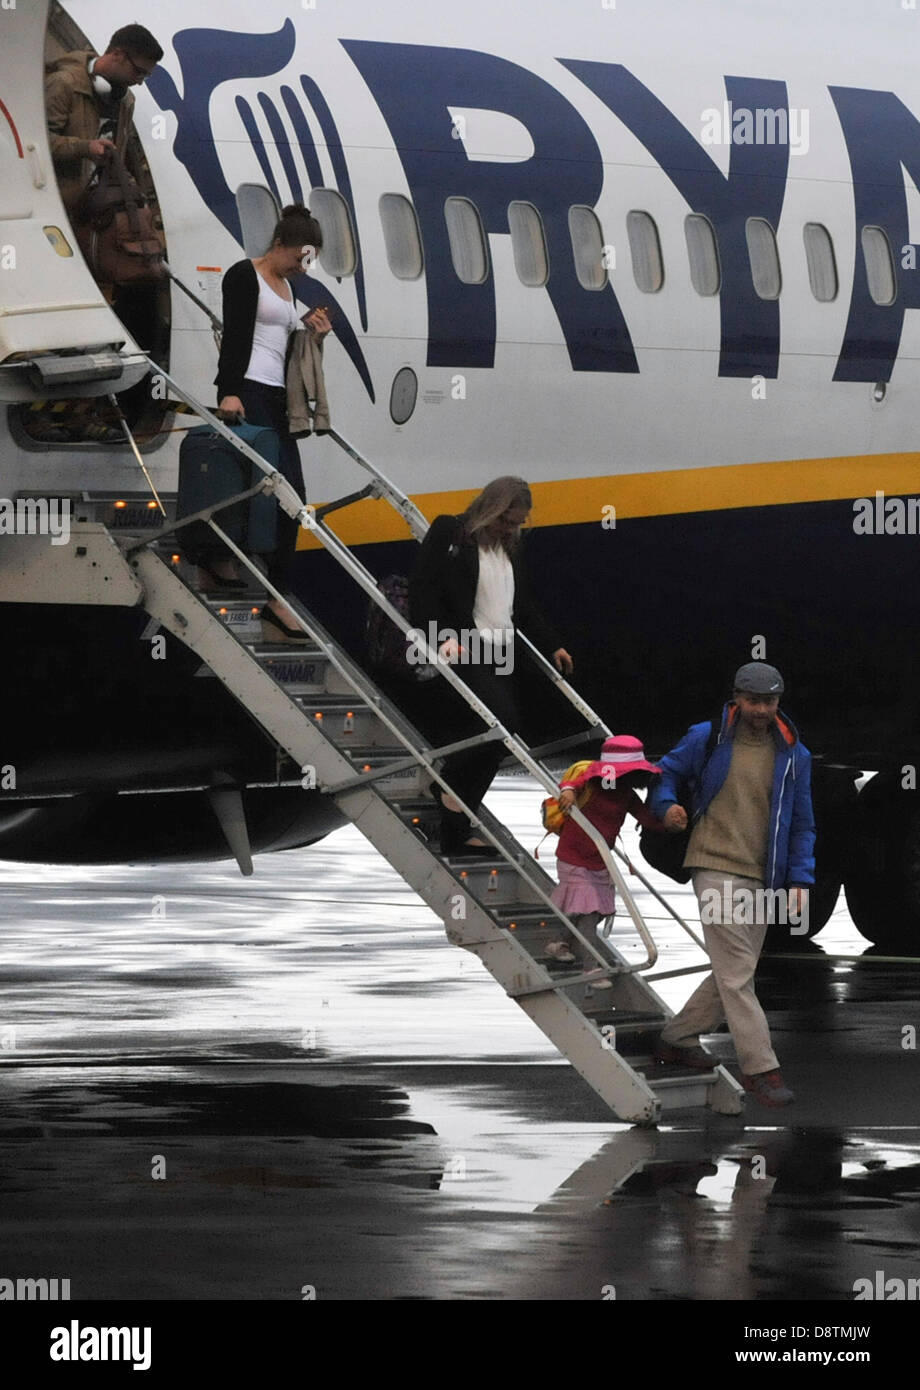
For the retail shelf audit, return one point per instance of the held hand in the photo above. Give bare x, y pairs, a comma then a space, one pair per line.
232, 406
450, 650
675, 819
798, 903
99, 150
317, 322
563, 662
566, 800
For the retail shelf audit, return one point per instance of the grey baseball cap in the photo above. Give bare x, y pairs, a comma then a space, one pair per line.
757, 678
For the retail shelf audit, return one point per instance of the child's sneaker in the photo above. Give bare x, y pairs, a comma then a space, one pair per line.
558, 950
597, 984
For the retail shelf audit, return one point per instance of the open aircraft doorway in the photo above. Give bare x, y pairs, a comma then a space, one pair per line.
88, 422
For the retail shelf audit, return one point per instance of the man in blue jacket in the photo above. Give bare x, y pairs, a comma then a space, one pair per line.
753, 830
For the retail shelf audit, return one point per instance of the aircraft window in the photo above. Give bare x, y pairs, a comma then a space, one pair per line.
822, 264
764, 257
468, 249
528, 243
401, 236
588, 248
338, 255
879, 265
403, 395
645, 250
703, 251
259, 213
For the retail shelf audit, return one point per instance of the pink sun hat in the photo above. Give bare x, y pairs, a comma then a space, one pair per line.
620, 754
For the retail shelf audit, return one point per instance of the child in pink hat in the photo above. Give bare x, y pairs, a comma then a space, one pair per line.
585, 892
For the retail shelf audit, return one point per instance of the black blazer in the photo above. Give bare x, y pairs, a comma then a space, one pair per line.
240, 292
443, 586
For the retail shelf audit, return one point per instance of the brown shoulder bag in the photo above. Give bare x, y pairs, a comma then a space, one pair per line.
116, 231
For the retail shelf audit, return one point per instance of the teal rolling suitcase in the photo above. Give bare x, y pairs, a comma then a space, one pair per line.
210, 469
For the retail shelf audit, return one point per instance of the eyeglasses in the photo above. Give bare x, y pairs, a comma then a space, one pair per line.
142, 73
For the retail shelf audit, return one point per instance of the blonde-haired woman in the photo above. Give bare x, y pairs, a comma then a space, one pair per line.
470, 587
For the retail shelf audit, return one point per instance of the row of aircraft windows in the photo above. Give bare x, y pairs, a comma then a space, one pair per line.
592, 255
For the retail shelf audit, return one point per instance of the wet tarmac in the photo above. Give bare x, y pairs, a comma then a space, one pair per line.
260, 1089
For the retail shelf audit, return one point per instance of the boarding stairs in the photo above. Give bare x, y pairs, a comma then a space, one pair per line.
324, 711
344, 736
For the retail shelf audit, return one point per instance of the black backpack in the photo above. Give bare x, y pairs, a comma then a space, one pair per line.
665, 852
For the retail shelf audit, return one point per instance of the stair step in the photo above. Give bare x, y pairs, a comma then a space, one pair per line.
529, 914
353, 722
495, 884
301, 673
241, 617
666, 1081
422, 807
421, 816
669, 1074
676, 1088
524, 921
249, 602
689, 1096
302, 668
404, 785
622, 1018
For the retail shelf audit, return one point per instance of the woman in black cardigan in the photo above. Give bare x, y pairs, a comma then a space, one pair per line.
259, 320
467, 594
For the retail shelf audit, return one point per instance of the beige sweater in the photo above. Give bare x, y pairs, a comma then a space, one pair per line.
731, 835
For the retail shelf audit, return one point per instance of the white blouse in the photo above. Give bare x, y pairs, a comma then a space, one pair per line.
494, 602
276, 320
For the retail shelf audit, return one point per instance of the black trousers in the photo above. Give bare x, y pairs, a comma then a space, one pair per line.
444, 717
267, 406
471, 773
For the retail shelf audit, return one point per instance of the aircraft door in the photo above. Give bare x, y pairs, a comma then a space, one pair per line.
57, 332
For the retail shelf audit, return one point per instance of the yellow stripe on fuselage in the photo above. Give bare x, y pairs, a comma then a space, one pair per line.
567, 501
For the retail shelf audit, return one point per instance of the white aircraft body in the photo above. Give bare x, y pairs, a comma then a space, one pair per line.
653, 257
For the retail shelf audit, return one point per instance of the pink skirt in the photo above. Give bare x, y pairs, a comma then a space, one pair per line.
583, 890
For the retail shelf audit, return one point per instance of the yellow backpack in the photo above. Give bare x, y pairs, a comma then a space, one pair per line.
553, 818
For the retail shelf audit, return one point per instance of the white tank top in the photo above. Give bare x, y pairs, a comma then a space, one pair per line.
276, 319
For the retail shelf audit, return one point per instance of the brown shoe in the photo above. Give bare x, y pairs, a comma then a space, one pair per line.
768, 1088
670, 1055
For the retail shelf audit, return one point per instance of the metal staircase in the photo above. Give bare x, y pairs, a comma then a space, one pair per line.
347, 738
344, 736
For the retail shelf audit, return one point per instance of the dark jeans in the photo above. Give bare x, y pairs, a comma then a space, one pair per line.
267, 405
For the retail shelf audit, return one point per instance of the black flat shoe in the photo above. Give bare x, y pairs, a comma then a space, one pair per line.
465, 851
454, 824
274, 630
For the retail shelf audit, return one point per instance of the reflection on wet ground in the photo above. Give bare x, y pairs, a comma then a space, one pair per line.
226, 1088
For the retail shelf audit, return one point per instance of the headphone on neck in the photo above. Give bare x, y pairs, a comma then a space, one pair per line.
101, 85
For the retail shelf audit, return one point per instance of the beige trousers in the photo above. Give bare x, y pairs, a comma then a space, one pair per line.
727, 995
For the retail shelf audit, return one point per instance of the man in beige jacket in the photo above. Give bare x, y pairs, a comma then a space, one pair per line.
89, 106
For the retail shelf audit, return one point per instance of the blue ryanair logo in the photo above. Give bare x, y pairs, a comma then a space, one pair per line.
207, 59
565, 170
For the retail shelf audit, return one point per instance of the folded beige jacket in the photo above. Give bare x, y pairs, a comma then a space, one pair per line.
308, 408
